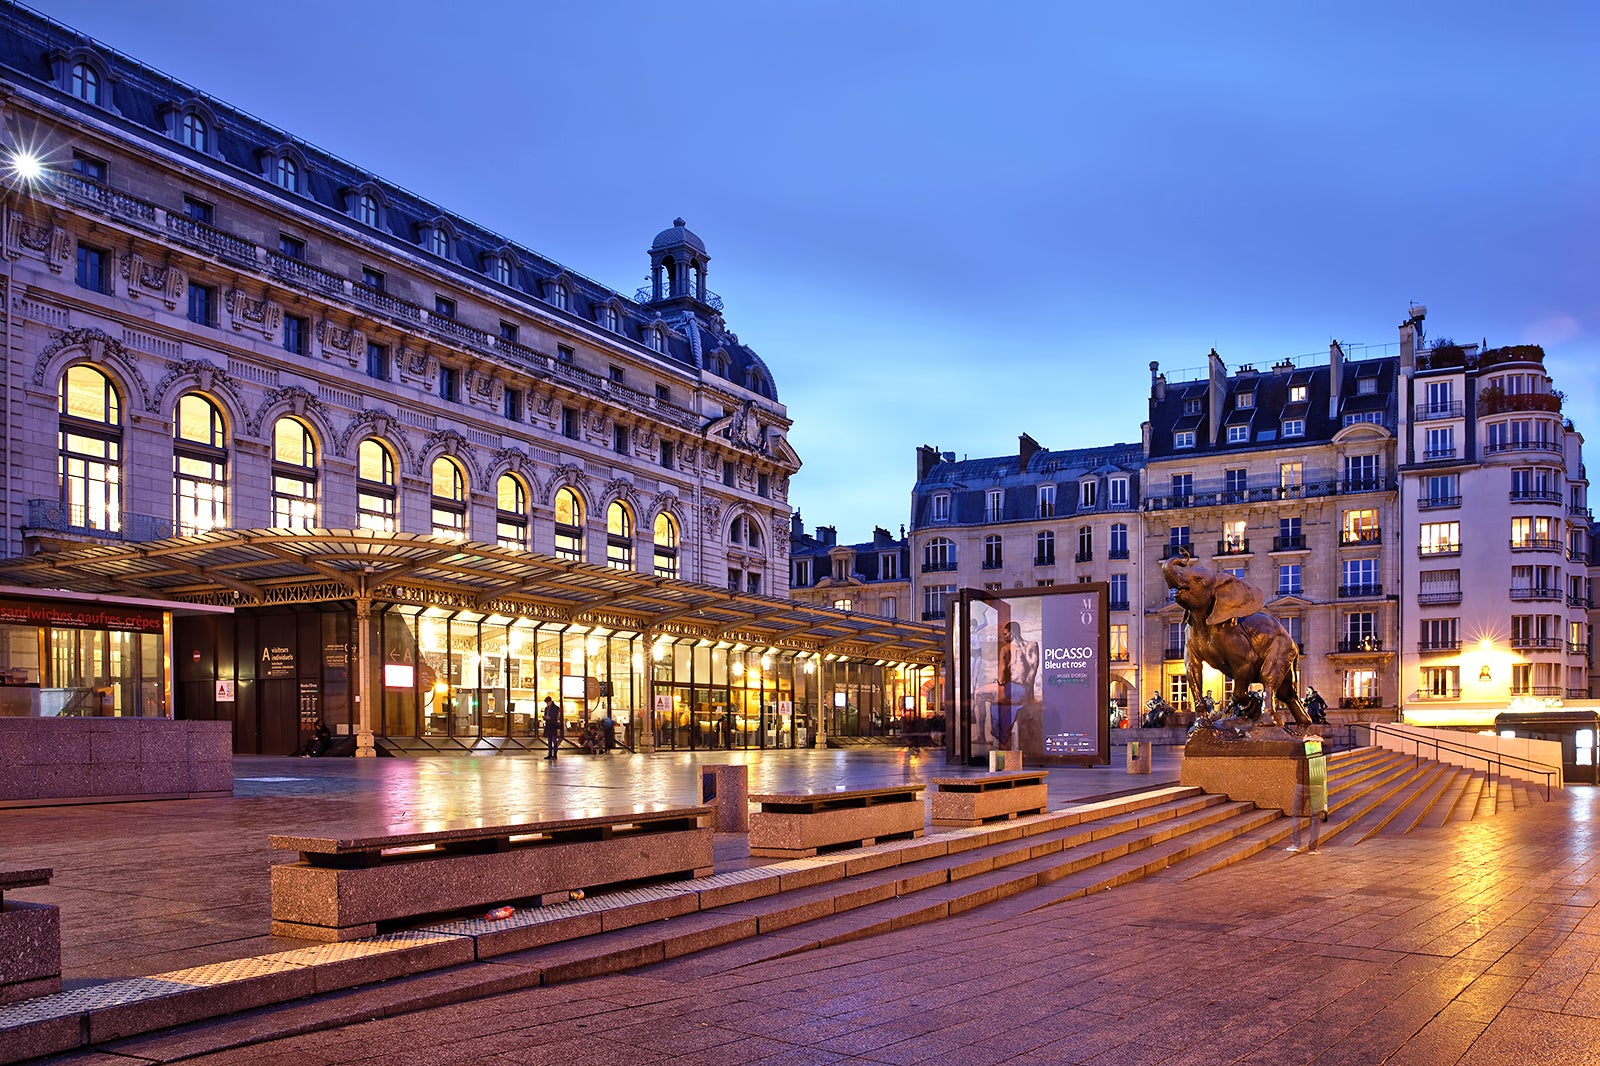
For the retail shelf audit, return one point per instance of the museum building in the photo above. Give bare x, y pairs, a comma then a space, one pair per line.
320, 449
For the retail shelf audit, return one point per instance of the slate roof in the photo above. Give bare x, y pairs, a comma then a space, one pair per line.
968, 481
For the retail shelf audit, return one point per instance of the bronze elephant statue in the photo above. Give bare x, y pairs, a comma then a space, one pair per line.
1229, 630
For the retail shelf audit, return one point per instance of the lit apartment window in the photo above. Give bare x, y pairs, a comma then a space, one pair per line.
294, 475
89, 456
511, 513
569, 525
1297, 394
199, 466
1244, 400
619, 537
375, 487
666, 546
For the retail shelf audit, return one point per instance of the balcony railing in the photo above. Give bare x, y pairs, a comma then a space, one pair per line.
1084, 557
1435, 647
379, 300
936, 567
1575, 647
78, 187
1536, 495
1360, 644
1577, 693
1425, 695
1526, 642
1289, 544
300, 271
1431, 455
1357, 703
1426, 412
1499, 447
1548, 690
1579, 601
1172, 551
1119, 605
1117, 553
80, 521
1172, 653
1577, 557
1578, 510
712, 300
1366, 484
1536, 544
1217, 494
208, 238
1289, 590
1044, 560
933, 616
991, 564
1432, 550
1348, 591
1535, 593
1429, 503
1360, 536
1234, 547
1435, 598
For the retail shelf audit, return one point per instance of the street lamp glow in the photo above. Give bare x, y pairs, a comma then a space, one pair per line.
26, 166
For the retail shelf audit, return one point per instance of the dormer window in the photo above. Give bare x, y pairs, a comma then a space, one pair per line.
367, 209
1366, 386
562, 296
440, 244
1297, 394
284, 166
611, 319
1183, 438
1239, 434
84, 83
366, 203
1191, 407
193, 131
1088, 495
1294, 427
287, 175
1244, 400
438, 237
500, 270
940, 507
656, 340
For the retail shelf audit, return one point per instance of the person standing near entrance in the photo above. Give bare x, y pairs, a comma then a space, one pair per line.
552, 728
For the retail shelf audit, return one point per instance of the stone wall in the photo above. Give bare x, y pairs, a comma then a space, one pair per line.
81, 760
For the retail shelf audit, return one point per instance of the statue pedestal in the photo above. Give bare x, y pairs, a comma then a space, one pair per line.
1265, 770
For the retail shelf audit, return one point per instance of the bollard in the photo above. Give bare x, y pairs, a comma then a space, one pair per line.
1139, 757
726, 788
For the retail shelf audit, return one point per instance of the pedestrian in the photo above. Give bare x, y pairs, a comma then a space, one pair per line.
1310, 797
320, 739
608, 733
552, 728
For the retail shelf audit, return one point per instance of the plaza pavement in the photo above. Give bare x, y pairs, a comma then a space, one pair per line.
1476, 943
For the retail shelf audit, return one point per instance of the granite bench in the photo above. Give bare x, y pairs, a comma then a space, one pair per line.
790, 825
345, 887
30, 938
988, 797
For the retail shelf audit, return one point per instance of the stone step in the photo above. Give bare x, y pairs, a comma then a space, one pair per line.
1463, 794
1409, 793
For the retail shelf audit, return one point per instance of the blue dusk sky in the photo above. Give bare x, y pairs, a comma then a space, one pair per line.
949, 224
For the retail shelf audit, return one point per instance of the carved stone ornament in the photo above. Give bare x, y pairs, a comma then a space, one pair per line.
417, 367
483, 390
300, 402
252, 315
207, 377
100, 348
340, 344
149, 279
447, 442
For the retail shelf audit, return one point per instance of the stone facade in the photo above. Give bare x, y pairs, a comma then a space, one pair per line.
873, 577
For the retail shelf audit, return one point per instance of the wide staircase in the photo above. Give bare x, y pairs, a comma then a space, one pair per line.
763, 911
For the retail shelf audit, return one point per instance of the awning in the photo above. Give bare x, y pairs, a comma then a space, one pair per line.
264, 567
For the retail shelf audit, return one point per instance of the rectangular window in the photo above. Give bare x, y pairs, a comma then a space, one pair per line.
508, 332
1441, 490
372, 279
763, 485
198, 210
619, 439
569, 423
1239, 434
294, 334
1439, 538
1119, 491
941, 509
563, 353
1182, 489
1290, 476
802, 573
1441, 443
1360, 578
378, 361
1234, 484
1439, 586
1361, 473
449, 384
87, 166
727, 473
1047, 501
666, 459
1297, 394
1088, 492
291, 247
202, 304
1289, 579
1294, 427
1360, 527
513, 409
444, 307
663, 393
888, 567
1183, 438
1439, 634
94, 269
1119, 642
1119, 592
1244, 400
617, 374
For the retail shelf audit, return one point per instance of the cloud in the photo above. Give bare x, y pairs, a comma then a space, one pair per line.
1552, 329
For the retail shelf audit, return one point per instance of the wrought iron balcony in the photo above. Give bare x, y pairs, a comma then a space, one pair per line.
1290, 590
1045, 560
1537, 592
991, 564
1240, 546
933, 616
1577, 648
77, 520
938, 567
1500, 447
1172, 551
1431, 455
1119, 605
1526, 642
1349, 591
1426, 412
1428, 551
1117, 553
1172, 653
1436, 598
1356, 703
1579, 601
1424, 695
1359, 644
1435, 647
1360, 536
1428, 503
1084, 557
1536, 495
712, 300
1289, 544
1535, 544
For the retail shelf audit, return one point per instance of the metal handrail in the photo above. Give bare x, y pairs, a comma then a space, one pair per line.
1492, 764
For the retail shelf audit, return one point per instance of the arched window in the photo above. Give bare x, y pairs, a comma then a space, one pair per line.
511, 513
501, 266
90, 450
1045, 550
561, 295
287, 174
449, 499
612, 321
441, 242
375, 488
743, 530
619, 537
294, 475
655, 339
1119, 540
199, 466
85, 83
569, 525
938, 554
666, 538
367, 209
193, 132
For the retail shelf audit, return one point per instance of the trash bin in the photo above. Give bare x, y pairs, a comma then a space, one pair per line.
1139, 757
726, 789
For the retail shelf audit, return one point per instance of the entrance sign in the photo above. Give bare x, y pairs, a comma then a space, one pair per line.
1032, 670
